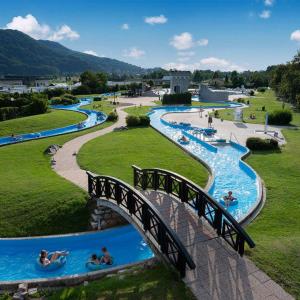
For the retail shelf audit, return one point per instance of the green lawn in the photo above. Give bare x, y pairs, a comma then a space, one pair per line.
114, 153
104, 106
53, 119
34, 200
153, 284
266, 99
138, 110
276, 230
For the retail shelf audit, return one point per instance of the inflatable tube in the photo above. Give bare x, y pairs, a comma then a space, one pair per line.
183, 142
96, 267
58, 263
232, 203
185, 124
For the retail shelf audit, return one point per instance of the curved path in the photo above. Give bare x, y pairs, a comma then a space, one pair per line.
66, 162
220, 272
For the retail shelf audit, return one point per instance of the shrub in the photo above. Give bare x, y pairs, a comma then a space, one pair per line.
66, 99
251, 93
144, 121
132, 121
240, 100
256, 143
280, 117
81, 90
184, 98
216, 114
261, 89
112, 116
97, 98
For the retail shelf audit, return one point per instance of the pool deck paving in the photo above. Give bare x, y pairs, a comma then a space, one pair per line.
237, 131
220, 272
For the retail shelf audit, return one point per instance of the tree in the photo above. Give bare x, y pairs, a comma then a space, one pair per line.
95, 82
216, 75
296, 59
226, 81
197, 76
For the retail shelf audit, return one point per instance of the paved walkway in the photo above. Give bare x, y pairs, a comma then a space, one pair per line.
220, 272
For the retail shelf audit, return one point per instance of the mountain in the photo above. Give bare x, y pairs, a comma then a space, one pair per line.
22, 55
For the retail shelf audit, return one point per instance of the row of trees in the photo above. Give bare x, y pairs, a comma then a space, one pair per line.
14, 106
286, 81
233, 79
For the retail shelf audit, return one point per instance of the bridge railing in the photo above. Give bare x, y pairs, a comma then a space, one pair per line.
145, 216
205, 206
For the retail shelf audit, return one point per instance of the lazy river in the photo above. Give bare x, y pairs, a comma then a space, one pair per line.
230, 173
93, 118
18, 256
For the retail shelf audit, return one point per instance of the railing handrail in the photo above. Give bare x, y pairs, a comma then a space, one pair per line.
181, 248
233, 221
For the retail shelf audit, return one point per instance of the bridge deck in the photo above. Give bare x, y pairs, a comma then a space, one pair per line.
220, 272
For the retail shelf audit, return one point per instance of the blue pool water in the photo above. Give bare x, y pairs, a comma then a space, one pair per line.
18, 256
230, 173
93, 118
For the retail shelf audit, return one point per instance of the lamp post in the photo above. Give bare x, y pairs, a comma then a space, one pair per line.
201, 110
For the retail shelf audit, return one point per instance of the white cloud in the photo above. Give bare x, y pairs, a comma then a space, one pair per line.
133, 52
125, 26
212, 63
185, 41
178, 66
156, 20
202, 42
182, 41
215, 63
91, 52
64, 33
30, 25
295, 36
269, 2
265, 14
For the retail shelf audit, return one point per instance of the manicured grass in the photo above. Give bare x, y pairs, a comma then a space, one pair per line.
34, 200
114, 153
266, 99
138, 110
53, 119
104, 106
276, 230
143, 110
157, 283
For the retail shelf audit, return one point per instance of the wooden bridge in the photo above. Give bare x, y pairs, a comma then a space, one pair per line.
191, 231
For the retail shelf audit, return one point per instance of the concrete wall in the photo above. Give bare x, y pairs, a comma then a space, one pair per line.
103, 217
205, 93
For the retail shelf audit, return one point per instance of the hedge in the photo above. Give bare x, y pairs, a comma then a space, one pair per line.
184, 98
66, 99
112, 116
280, 117
134, 121
256, 143
22, 105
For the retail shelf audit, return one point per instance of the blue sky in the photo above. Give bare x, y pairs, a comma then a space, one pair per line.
215, 34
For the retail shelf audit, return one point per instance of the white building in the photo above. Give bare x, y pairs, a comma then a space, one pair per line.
179, 81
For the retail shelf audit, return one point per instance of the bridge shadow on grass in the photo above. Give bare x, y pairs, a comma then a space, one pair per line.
220, 273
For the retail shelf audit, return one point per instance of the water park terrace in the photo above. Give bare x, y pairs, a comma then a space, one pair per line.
173, 218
